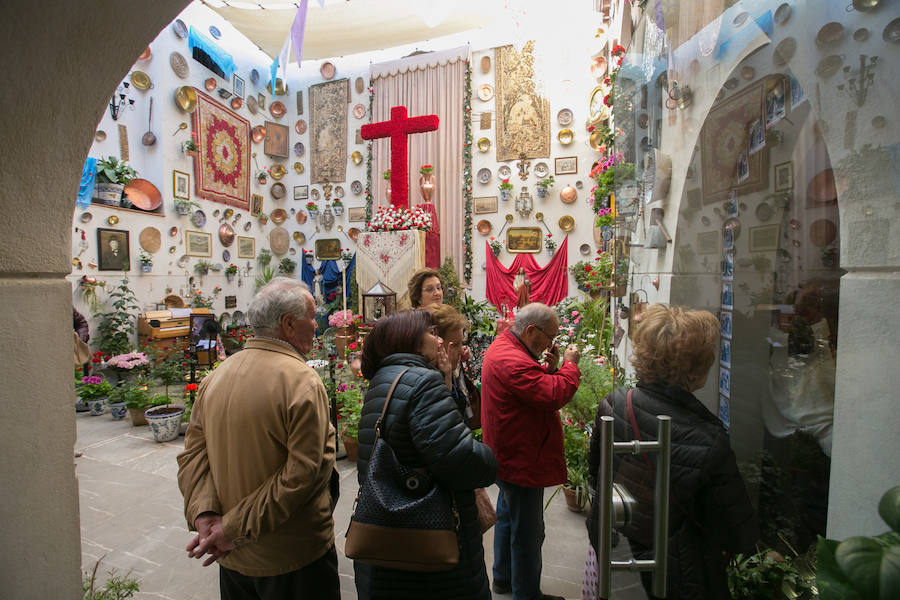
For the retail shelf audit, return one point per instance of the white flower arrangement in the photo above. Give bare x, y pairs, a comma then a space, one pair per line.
395, 219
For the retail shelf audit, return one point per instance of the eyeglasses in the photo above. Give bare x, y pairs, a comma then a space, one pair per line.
548, 336
431, 290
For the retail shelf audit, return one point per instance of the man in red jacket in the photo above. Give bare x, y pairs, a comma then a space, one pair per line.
519, 403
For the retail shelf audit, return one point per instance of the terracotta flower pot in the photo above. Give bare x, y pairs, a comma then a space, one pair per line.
137, 416
574, 501
352, 448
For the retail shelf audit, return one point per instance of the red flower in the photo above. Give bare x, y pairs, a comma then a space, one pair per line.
191, 387
587, 269
351, 346
618, 49
96, 360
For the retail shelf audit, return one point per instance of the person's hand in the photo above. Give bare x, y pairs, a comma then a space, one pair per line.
466, 354
572, 354
210, 539
551, 355
443, 361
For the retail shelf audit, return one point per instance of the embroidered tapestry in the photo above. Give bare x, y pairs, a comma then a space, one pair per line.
328, 131
222, 163
523, 117
390, 257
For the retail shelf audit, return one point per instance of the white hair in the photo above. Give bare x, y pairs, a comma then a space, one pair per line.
537, 314
281, 296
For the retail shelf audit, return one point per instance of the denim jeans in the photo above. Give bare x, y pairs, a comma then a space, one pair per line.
518, 537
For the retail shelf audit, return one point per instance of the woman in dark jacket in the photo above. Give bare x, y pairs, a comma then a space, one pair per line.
710, 511
425, 429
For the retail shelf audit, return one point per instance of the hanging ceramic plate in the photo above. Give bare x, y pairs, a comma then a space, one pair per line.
248, 225
140, 80
566, 223
541, 170
86, 217
353, 233
226, 255
829, 65
748, 72
214, 31
277, 109
100, 135
568, 195
327, 70
484, 144
300, 127
565, 136
226, 234
299, 148
830, 33
278, 216
485, 92
277, 171
783, 13
861, 35
784, 51
301, 217
314, 194
179, 65
181, 263
740, 19
298, 167
504, 172
356, 188
198, 218
258, 134
338, 192
252, 106
292, 251
254, 76
180, 28
764, 212
484, 175
279, 240
565, 117
359, 111
356, 157
484, 227
210, 84
584, 249
112, 220
299, 238
278, 190
579, 184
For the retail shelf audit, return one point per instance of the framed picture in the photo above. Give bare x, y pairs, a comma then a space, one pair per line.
728, 295
728, 238
256, 205
725, 382
238, 87
725, 320
301, 192
246, 247
764, 238
731, 205
566, 165
757, 135
300, 102
328, 249
708, 242
356, 214
524, 239
114, 254
798, 96
276, 143
784, 176
485, 205
230, 301
197, 243
181, 185
775, 104
725, 354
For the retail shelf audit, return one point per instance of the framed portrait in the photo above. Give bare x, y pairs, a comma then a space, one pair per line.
328, 249
197, 243
276, 143
725, 320
301, 192
764, 238
775, 103
485, 205
708, 242
238, 87
728, 266
246, 247
114, 254
565, 165
181, 185
256, 205
356, 214
725, 353
524, 239
728, 239
784, 176
725, 382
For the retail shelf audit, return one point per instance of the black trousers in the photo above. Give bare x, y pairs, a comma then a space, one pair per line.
316, 581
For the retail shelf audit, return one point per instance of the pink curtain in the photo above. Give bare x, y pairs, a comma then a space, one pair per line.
549, 284
427, 84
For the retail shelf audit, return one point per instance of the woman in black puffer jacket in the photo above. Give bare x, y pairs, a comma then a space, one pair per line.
710, 515
425, 429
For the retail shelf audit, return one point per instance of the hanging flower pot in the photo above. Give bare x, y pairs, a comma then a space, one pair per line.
338, 209
313, 214
541, 191
164, 421
308, 257
146, 267
229, 277
505, 194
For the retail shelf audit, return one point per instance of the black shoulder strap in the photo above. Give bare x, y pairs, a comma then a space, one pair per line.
387, 401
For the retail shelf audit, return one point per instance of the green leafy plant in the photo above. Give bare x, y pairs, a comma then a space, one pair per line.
264, 257
482, 316
93, 388
166, 367
199, 300
604, 218
350, 399
266, 275
336, 202
137, 395
495, 244
183, 205
451, 284
287, 266
546, 182
231, 269
115, 330
202, 267
146, 258
593, 274
111, 170
116, 587
767, 575
550, 243
387, 175
505, 185
90, 292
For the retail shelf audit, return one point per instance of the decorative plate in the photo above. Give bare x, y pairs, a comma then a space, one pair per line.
140, 80
278, 216
229, 212
226, 255
356, 157
299, 148
254, 76
238, 318
566, 223
277, 109
783, 13
784, 51
314, 194
180, 28
214, 31
338, 192
198, 218
179, 65
484, 144
210, 84
565, 117
278, 190
748, 72
298, 167
236, 103
226, 234
484, 175
861, 35
258, 134
112, 220
327, 70
300, 127
829, 65
360, 85
485, 92
584, 249
579, 185
225, 319
359, 111
356, 188
86, 217
279, 240
252, 106
764, 212
541, 170
891, 31
504, 171
830, 33
568, 195
740, 19
731, 83
301, 217
100, 135
182, 262
150, 239
173, 232
565, 136
277, 171
484, 227
299, 237
353, 233
248, 225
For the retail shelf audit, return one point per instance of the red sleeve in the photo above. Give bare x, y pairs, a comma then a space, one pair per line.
545, 390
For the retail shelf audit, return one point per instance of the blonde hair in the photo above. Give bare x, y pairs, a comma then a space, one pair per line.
675, 345
446, 318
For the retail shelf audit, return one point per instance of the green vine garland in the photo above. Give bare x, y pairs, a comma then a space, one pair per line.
467, 174
369, 157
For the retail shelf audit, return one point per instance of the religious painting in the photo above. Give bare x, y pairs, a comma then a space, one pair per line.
222, 164
566, 165
523, 117
784, 176
238, 87
246, 247
181, 185
725, 142
256, 205
197, 243
726, 325
276, 143
114, 254
725, 354
356, 214
328, 131
524, 239
485, 205
328, 249
725, 382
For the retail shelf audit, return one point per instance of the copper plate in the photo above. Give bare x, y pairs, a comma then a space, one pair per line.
258, 134
484, 227
566, 223
568, 195
830, 33
278, 216
100, 135
300, 127
278, 190
252, 106
301, 217
485, 92
359, 111
226, 234
179, 65
186, 98
140, 80
822, 232
236, 103
173, 232
277, 171
143, 194
821, 188
277, 110
146, 54
328, 71
279, 240
210, 84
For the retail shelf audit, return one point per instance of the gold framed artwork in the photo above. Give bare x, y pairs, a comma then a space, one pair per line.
328, 249
784, 176
356, 214
181, 185
246, 247
276, 143
114, 253
256, 205
524, 239
485, 205
565, 165
328, 130
197, 243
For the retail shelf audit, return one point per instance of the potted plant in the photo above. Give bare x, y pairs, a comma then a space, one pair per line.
184, 207
264, 257
550, 243
543, 185
337, 206
202, 267
496, 245
137, 399
93, 392
261, 177
263, 218
164, 418
505, 189
287, 266
112, 177
230, 271
115, 401
89, 292
146, 261
266, 275
594, 277
199, 300
313, 209
345, 321
189, 147
115, 330
350, 401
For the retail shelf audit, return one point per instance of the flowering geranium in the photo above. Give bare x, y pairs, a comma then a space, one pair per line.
343, 318
496, 245
128, 361
595, 274
346, 255
93, 388
604, 218
547, 182
392, 218
387, 175
550, 242
231, 269
191, 387
312, 206
426, 169
505, 184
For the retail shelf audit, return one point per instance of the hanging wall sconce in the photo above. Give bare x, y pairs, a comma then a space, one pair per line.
680, 97
524, 203
116, 105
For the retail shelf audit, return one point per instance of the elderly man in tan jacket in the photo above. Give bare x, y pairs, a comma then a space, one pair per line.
257, 472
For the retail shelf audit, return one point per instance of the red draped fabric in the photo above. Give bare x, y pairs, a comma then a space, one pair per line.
432, 238
549, 284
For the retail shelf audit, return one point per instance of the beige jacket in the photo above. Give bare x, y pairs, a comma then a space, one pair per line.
260, 451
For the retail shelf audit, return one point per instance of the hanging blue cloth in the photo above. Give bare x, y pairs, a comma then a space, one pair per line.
221, 58
307, 271
331, 278
86, 186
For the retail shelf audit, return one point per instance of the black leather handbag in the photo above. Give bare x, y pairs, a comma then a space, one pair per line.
402, 519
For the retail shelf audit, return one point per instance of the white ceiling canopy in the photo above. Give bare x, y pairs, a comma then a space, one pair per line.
343, 27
